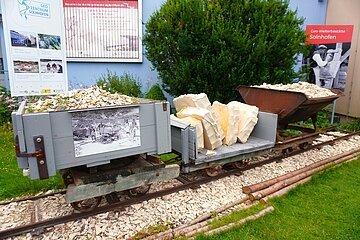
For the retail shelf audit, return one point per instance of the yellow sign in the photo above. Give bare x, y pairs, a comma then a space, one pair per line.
46, 91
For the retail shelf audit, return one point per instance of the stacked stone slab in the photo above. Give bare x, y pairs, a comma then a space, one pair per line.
228, 117
197, 100
197, 124
212, 137
221, 123
247, 119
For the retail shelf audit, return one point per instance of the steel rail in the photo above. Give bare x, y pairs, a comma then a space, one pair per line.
180, 178
186, 185
32, 198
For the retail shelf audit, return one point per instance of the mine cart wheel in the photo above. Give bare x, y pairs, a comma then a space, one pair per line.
213, 171
67, 178
304, 145
87, 204
287, 151
112, 198
139, 191
238, 164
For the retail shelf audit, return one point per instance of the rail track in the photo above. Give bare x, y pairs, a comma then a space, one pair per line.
38, 224
33, 198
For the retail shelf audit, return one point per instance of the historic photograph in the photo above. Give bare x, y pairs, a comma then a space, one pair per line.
51, 66
328, 65
49, 42
22, 39
26, 67
98, 131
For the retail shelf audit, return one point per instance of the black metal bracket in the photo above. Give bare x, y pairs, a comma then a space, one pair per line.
39, 154
164, 105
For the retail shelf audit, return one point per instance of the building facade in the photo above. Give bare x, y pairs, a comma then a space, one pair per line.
348, 12
83, 74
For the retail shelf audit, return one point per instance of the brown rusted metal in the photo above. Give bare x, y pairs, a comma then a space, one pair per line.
290, 106
302, 141
164, 105
40, 157
39, 154
301, 128
154, 159
33, 198
296, 142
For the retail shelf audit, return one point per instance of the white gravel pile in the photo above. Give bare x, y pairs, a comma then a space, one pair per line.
177, 208
79, 99
310, 90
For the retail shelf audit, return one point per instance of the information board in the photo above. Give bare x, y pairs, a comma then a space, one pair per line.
329, 57
103, 30
34, 39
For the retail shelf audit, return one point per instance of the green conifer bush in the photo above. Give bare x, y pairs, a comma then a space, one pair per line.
155, 93
213, 46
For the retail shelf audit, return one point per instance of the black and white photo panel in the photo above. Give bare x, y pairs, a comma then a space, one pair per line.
100, 131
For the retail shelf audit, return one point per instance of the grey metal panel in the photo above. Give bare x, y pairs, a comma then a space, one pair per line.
266, 127
35, 125
183, 140
20, 127
61, 125
184, 143
162, 125
188, 142
177, 142
65, 153
56, 127
262, 138
178, 124
252, 145
61, 121
22, 162
222, 161
94, 164
193, 147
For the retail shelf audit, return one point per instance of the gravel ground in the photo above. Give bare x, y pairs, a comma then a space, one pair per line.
177, 208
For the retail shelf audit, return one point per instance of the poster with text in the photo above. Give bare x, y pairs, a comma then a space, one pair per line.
103, 30
34, 38
101, 131
329, 57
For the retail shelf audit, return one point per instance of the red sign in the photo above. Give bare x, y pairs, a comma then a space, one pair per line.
101, 3
323, 34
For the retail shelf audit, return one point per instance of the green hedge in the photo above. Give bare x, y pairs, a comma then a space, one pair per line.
155, 93
214, 46
126, 84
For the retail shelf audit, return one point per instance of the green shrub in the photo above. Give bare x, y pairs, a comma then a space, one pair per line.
8, 104
214, 46
354, 125
155, 93
126, 84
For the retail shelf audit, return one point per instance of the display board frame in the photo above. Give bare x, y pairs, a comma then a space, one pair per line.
35, 50
100, 7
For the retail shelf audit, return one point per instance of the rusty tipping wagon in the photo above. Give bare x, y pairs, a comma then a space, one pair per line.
290, 107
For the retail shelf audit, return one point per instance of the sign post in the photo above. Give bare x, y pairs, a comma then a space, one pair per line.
329, 56
35, 46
